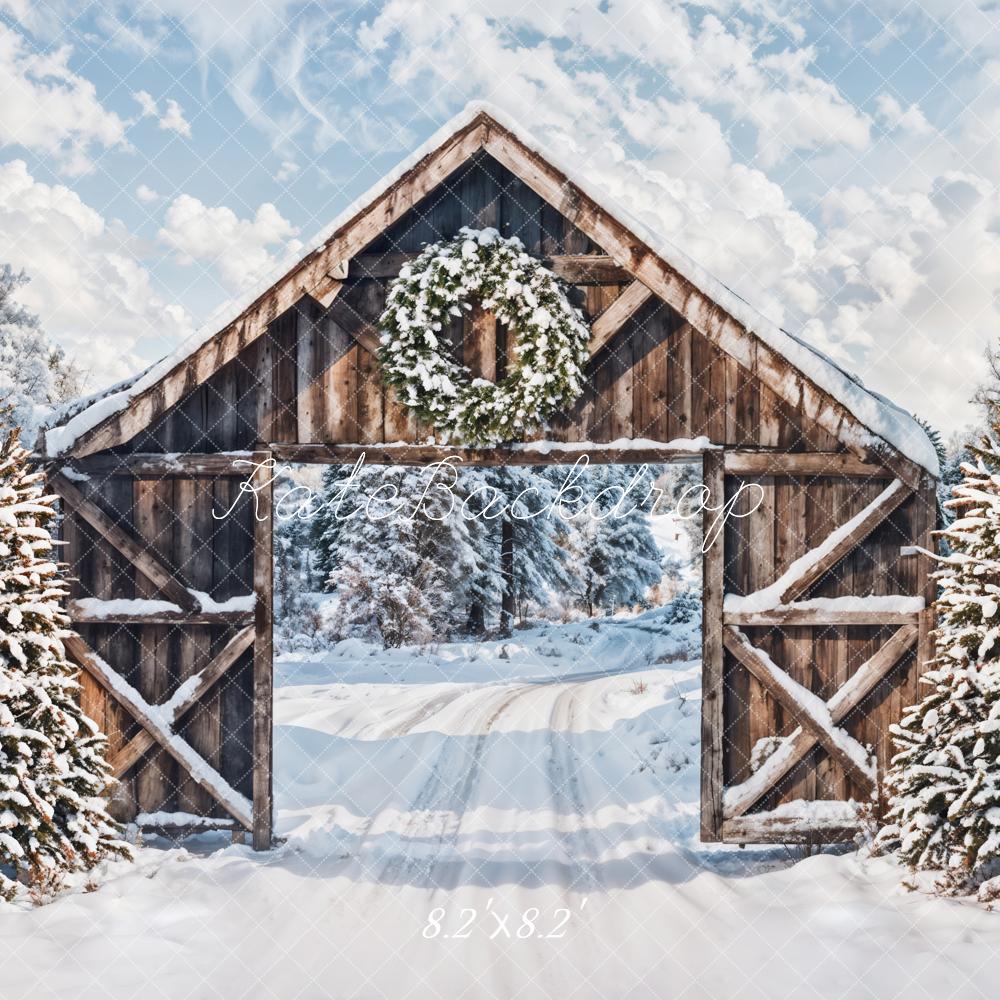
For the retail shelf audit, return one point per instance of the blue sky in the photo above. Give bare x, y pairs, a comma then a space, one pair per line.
835, 163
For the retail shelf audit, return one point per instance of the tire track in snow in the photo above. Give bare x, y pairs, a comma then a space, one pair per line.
413, 718
566, 786
437, 810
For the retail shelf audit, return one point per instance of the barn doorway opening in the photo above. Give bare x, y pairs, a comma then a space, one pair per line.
462, 693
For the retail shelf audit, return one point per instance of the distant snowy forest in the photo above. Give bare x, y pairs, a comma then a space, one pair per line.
426, 571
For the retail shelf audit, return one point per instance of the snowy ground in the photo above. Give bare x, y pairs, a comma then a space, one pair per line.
499, 820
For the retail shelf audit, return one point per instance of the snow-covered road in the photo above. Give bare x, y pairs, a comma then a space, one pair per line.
501, 820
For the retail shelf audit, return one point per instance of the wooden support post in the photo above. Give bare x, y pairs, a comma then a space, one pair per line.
263, 666
713, 565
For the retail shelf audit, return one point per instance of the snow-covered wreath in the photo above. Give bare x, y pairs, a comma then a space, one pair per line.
551, 337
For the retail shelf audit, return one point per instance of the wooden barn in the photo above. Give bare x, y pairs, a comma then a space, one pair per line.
815, 618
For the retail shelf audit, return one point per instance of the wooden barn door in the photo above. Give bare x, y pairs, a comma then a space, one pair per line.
815, 605
171, 602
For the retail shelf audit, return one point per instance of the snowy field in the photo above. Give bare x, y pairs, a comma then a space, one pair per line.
499, 820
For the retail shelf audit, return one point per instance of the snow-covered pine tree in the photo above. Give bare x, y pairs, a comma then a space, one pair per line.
618, 559
53, 771
324, 528
482, 589
400, 570
34, 373
944, 783
540, 563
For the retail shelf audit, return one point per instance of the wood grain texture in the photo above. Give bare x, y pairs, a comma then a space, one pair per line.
712, 722
263, 662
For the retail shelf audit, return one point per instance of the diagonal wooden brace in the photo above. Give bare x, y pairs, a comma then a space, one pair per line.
133, 751
739, 799
133, 549
635, 296
805, 707
199, 770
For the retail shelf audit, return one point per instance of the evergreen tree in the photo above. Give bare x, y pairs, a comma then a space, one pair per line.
33, 372
617, 558
944, 783
53, 772
324, 528
402, 558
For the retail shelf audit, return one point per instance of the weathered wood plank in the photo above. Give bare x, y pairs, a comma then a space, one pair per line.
576, 269
406, 454
782, 829
784, 616
741, 462
713, 571
616, 315
156, 782
263, 657
82, 614
182, 466
479, 344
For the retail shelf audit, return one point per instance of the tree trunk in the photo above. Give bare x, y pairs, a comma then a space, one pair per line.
477, 618
507, 604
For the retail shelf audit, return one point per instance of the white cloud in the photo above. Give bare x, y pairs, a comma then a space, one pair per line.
173, 120
287, 170
894, 116
147, 105
87, 284
49, 109
238, 249
146, 194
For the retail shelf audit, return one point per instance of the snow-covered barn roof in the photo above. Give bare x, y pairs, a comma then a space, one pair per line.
885, 421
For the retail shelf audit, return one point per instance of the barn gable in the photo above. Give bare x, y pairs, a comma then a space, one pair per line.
483, 172
679, 365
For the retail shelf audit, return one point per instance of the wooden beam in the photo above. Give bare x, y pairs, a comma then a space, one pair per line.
576, 269
778, 617
140, 554
419, 454
263, 656
133, 751
783, 829
801, 463
200, 771
355, 325
184, 466
741, 798
761, 667
617, 315
712, 721
861, 526
85, 616
705, 315
308, 276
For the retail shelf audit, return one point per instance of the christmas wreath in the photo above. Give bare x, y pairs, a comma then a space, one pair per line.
445, 280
